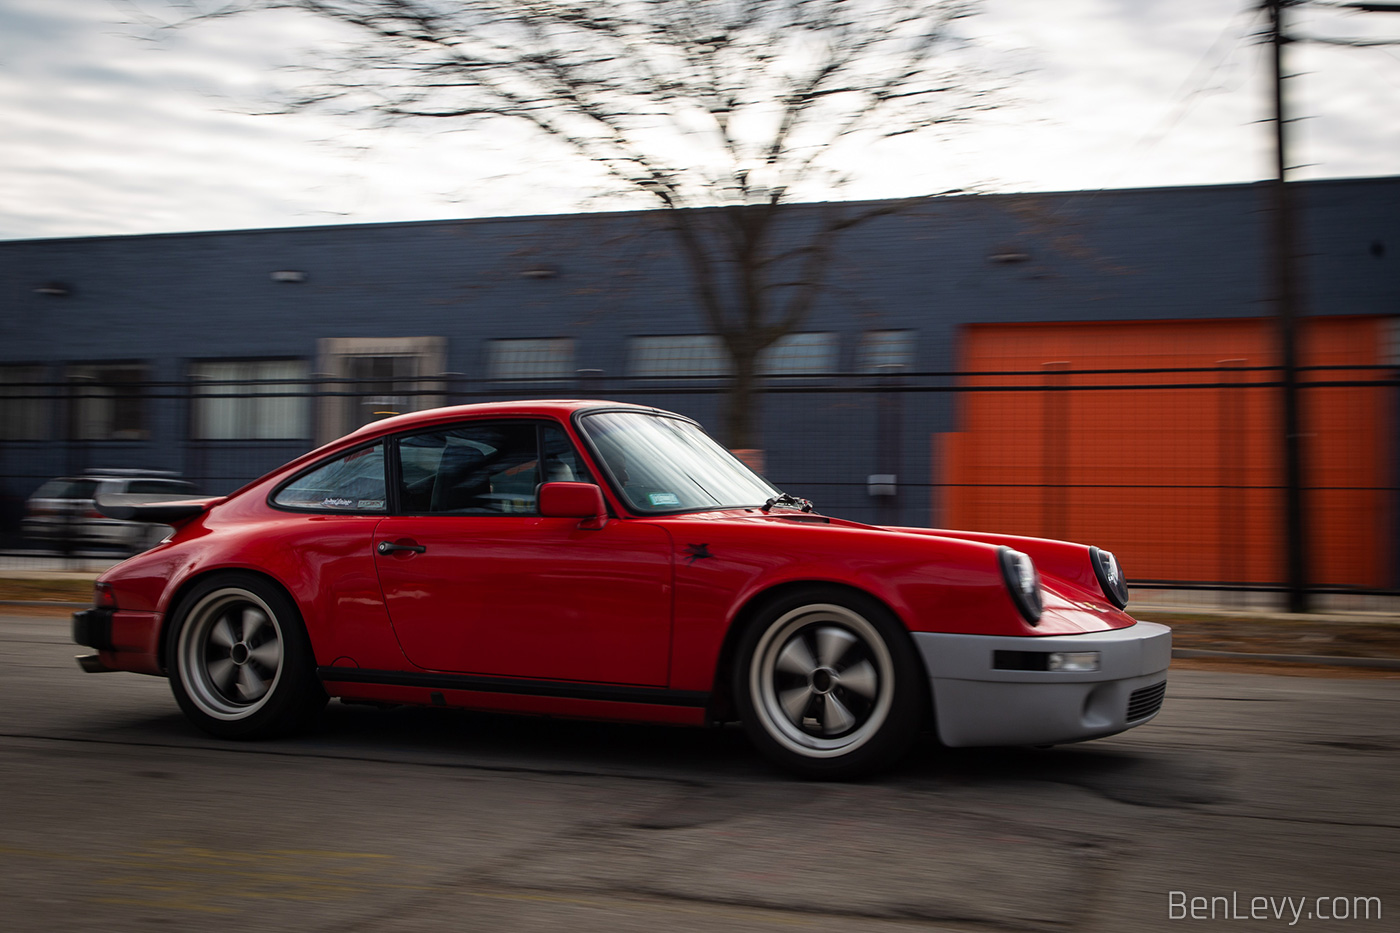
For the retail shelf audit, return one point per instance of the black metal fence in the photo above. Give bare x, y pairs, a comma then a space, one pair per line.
1176, 469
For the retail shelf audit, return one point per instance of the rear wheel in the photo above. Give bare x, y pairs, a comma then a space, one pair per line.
239, 659
827, 684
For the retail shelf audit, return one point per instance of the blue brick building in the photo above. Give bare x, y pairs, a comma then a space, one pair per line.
179, 351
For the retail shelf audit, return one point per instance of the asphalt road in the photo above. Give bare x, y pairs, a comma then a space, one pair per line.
119, 816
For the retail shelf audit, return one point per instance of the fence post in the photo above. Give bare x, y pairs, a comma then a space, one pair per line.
590, 383
889, 429
1055, 481
1231, 510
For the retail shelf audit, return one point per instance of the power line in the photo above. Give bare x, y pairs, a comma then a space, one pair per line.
1198, 82
1216, 56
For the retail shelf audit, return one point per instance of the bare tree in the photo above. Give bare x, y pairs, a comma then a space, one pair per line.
722, 111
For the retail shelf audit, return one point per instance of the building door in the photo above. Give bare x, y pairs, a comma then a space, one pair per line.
1161, 441
368, 378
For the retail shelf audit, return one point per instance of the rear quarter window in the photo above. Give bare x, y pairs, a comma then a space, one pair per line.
353, 482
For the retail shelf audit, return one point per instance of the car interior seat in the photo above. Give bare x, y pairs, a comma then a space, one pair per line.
460, 479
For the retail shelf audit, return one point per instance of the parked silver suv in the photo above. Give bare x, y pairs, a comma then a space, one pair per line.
62, 512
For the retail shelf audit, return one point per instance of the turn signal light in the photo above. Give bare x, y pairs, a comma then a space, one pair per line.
1077, 661
104, 597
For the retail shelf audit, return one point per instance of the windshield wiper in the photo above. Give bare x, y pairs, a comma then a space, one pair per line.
791, 502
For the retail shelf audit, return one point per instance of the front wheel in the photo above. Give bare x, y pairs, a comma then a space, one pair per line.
239, 659
828, 686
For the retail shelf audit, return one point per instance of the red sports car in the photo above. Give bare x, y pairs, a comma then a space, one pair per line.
611, 561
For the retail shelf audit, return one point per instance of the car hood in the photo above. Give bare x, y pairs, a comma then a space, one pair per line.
1073, 601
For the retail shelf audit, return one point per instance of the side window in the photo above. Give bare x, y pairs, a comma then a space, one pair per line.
352, 483
81, 489
491, 468
562, 464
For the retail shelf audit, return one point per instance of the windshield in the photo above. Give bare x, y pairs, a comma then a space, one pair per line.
662, 464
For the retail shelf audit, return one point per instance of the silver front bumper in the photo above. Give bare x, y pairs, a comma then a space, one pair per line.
976, 702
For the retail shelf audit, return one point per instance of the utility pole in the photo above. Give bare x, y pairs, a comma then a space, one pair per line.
1287, 302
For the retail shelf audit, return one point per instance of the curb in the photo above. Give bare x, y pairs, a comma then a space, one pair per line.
1385, 664
1335, 617
52, 604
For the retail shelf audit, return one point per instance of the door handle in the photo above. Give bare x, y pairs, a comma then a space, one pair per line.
389, 547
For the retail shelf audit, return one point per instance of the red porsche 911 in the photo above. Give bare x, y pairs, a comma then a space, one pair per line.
611, 561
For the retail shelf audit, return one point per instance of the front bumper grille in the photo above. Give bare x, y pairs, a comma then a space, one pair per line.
1146, 701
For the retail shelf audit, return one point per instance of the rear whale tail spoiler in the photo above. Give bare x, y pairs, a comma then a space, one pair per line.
159, 510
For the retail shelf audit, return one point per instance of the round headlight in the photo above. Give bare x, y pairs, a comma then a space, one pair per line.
1023, 581
1111, 579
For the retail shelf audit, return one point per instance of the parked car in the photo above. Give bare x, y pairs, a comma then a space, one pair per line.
610, 561
63, 511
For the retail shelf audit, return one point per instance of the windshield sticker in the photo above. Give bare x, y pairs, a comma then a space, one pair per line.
664, 498
332, 502
370, 504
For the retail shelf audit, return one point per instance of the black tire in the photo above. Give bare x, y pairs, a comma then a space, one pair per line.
239, 661
828, 685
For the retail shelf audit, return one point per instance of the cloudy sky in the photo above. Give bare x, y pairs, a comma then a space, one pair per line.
113, 128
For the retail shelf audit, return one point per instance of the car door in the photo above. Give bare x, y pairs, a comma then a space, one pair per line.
476, 581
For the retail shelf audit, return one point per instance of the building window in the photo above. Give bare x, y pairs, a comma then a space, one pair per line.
384, 386
108, 401
883, 350
535, 359
24, 404
677, 355
250, 400
706, 355
800, 355
381, 376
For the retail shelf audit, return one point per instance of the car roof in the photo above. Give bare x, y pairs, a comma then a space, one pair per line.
108, 478
131, 473
560, 409
536, 408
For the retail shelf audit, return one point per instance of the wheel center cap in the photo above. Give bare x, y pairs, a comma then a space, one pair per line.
823, 679
239, 655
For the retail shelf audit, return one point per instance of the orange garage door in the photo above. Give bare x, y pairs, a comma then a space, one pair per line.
1178, 472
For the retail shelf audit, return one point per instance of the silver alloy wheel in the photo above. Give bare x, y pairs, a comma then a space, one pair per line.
822, 680
229, 654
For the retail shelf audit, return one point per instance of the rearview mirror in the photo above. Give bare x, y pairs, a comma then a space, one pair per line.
573, 500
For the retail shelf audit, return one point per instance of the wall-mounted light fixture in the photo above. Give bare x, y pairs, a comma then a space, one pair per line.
54, 289
289, 275
883, 484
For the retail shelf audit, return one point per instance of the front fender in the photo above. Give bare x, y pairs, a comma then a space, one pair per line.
931, 584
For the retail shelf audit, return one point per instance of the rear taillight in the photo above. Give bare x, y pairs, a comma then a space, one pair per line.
93, 513
103, 596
